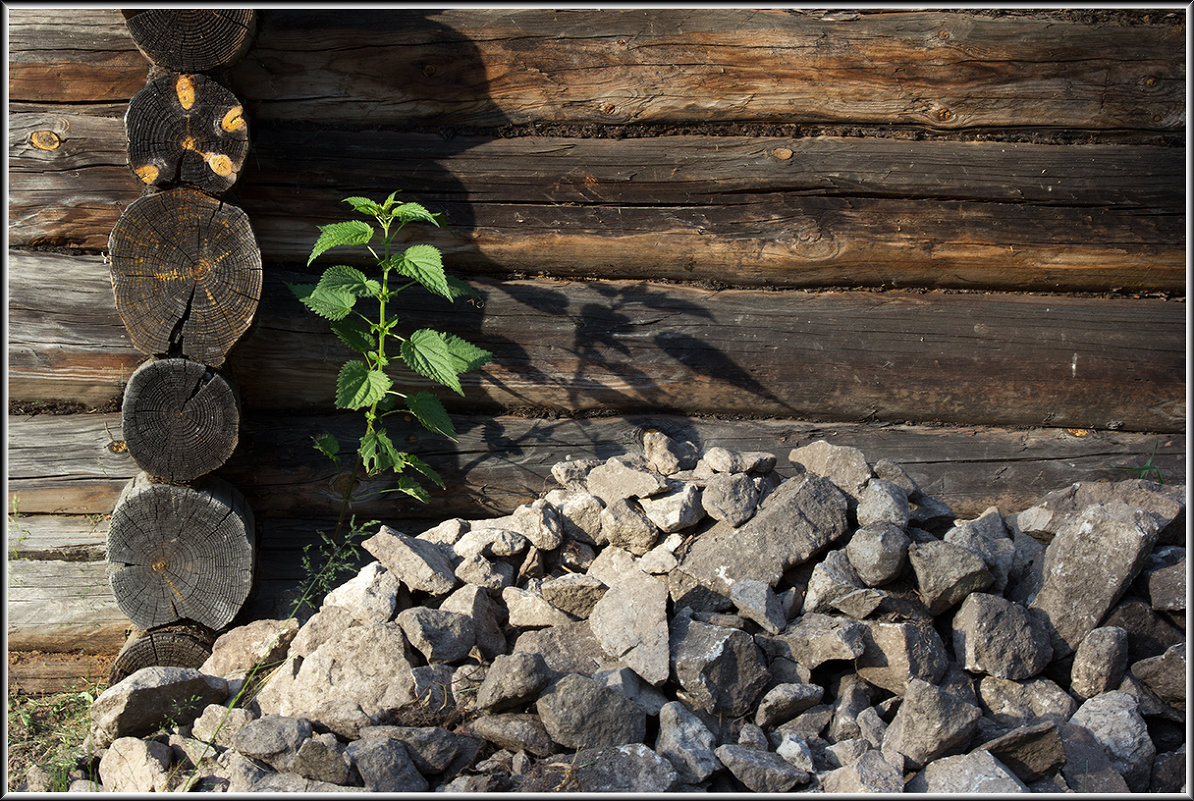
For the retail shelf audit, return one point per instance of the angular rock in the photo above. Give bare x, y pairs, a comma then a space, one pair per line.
814, 639
626, 682
785, 701
446, 533
721, 668
477, 605
629, 768
947, 573
385, 766
1012, 704
579, 513
878, 553
801, 517
612, 564
133, 765
273, 739
261, 642
419, 564
844, 466
1169, 772
439, 635
756, 601
1099, 662
726, 460
731, 497
852, 697
219, 724
322, 758
490, 574
569, 648
832, 578
579, 712
795, 751
574, 593
1163, 504
882, 502
871, 727
139, 704
1148, 633
870, 773
620, 478
988, 537
1165, 675
516, 732
687, 743
538, 521
1087, 767
513, 680
319, 628
491, 543
1000, 638
930, 724
760, 771
1113, 719
661, 558
630, 623
1088, 566
1031, 752
895, 654
676, 509
624, 525
666, 455
859, 604
573, 472
528, 609
977, 772
371, 595
1167, 586
433, 750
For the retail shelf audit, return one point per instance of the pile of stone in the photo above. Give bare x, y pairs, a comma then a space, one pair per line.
665, 622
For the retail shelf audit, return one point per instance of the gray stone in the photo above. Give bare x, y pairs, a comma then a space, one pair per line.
1165, 675
927, 511
419, 564
930, 724
628, 683
432, 690
896, 653
1032, 752
261, 642
446, 533
1099, 662
666, 455
133, 765
1167, 586
528, 609
801, 517
785, 701
726, 460
624, 525
675, 510
794, 750
538, 521
513, 680
1148, 634
871, 727
758, 602
1087, 767
1113, 719
241, 772
832, 578
439, 635
853, 696
219, 724
576, 556
630, 623
882, 502
1088, 566
947, 573
573, 472
575, 593
878, 553
434, 750
628, 768
988, 537
846, 467
1169, 772
731, 497
888, 470
569, 648
273, 739
870, 773
292, 783
141, 703
579, 712
342, 717
516, 732
760, 771
1018, 703
322, 758
978, 772
613, 563
489, 574
579, 513
721, 668
623, 477
371, 595
860, 604
687, 743
1163, 504
661, 558
809, 723
1000, 638
385, 766
478, 605
492, 543
815, 639
319, 628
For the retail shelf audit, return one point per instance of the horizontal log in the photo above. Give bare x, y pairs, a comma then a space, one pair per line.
934, 70
63, 606
745, 211
631, 347
63, 465
39, 672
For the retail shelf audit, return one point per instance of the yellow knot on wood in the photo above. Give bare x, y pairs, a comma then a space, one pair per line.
44, 140
184, 87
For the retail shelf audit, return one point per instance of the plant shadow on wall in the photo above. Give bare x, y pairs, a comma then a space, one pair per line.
360, 102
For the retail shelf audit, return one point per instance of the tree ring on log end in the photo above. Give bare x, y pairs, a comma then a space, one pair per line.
169, 646
186, 129
180, 553
192, 40
186, 274
180, 418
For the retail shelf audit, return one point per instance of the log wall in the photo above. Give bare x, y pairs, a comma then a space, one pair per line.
952, 239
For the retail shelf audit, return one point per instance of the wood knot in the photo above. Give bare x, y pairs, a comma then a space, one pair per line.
234, 120
160, 566
943, 115
184, 88
782, 153
44, 140
148, 173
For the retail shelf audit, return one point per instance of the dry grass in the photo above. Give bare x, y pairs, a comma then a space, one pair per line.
47, 731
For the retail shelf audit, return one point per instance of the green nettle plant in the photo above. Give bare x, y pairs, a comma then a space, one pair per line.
365, 383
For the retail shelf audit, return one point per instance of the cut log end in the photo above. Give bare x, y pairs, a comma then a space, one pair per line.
180, 419
180, 553
192, 40
170, 646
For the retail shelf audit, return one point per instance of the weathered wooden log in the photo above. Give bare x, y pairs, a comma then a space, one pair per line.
181, 553
66, 465
186, 129
192, 40
180, 419
169, 646
186, 273
57, 607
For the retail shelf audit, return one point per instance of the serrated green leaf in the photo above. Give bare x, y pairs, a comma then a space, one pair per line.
379, 454
428, 410
327, 444
414, 212
300, 291
412, 488
442, 357
350, 279
385, 207
363, 205
425, 264
425, 469
355, 335
350, 232
459, 289
357, 386
331, 303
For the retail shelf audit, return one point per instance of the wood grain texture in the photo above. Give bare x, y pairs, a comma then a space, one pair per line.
62, 465
72, 56
619, 347
738, 211
63, 606
192, 40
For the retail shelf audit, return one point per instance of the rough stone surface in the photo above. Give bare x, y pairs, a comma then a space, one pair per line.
882, 502
371, 595
1017, 703
758, 602
1099, 662
1165, 675
513, 680
620, 478
1000, 638
731, 497
844, 466
878, 553
528, 609
760, 771
930, 723
273, 739
138, 704
979, 772
815, 639
946, 573
219, 724
630, 623
517, 732
896, 653
870, 773
239, 650
574, 593
727, 460
419, 564
624, 525
687, 743
578, 712
133, 765
785, 701
666, 455
385, 766
439, 635
1113, 719
721, 668
1031, 752
676, 509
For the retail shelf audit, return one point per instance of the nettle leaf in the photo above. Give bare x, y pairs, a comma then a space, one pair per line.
378, 452
357, 386
327, 444
412, 488
442, 357
364, 205
425, 469
329, 302
350, 279
351, 232
385, 207
414, 212
425, 264
355, 335
459, 289
300, 291
428, 410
